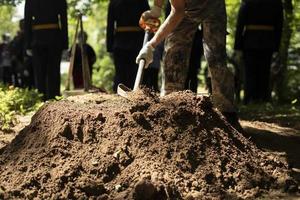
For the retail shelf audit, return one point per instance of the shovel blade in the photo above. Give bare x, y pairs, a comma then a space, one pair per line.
123, 90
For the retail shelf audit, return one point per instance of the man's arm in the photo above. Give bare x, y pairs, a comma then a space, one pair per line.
175, 17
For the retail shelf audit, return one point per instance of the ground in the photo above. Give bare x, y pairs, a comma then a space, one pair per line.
59, 136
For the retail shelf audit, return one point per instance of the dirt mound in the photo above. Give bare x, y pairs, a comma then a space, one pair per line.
106, 147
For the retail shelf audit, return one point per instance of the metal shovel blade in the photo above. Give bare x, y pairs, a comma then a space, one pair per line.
123, 90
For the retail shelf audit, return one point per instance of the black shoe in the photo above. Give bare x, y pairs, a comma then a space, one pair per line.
233, 120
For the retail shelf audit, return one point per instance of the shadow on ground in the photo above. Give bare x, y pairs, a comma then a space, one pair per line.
281, 141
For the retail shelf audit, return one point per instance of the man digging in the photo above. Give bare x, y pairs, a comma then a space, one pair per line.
178, 30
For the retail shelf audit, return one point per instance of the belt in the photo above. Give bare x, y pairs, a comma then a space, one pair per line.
128, 29
45, 26
260, 27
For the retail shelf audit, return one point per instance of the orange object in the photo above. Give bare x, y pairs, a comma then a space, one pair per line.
151, 24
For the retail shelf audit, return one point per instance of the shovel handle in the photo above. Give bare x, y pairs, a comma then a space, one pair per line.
146, 37
139, 75
142, 62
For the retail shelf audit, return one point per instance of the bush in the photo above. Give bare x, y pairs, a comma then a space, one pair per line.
16, 101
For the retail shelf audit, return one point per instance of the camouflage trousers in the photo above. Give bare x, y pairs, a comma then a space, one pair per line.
212, 16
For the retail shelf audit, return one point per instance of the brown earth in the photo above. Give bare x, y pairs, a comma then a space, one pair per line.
102, 146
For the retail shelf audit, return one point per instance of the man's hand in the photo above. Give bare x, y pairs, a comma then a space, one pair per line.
146, 53
275, 55
28, 52
155, 12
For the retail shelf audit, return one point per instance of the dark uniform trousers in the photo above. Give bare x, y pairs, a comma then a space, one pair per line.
124, 38
125, 68
46, 34
258, 34
257, 79
46, 62
191, 82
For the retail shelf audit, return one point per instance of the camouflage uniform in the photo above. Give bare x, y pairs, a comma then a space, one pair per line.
212, 16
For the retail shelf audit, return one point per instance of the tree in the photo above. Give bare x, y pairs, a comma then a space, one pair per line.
7, 26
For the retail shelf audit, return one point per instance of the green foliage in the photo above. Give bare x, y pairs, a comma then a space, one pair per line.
10, 2
6, 16
16, 101
232, 7
293, 70
104, 73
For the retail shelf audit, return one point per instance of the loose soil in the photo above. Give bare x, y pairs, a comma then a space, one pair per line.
101, 146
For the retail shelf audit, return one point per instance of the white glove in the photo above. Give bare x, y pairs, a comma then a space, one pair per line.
146, 53
26, 73
29, 52
155, 12
275, 55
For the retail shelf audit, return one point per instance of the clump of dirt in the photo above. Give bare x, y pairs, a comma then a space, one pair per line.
102, 146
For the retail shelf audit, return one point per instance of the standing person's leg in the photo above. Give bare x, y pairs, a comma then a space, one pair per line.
147, 78
251, 75
264, 76
77, 76
131, 68
154, 78
7, 78
177, 54
257, 70
53, 72
29, 67
191, 82
214, 44
118, 62
39, 60
150, 78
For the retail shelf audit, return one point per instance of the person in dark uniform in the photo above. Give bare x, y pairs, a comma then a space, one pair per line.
258, 34
191, 82
46, 35
5, 60
125, 38
91, 57
22, 63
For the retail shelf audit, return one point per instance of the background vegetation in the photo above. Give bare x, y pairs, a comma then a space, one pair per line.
16, 101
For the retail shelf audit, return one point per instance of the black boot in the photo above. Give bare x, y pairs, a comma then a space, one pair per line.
233, 120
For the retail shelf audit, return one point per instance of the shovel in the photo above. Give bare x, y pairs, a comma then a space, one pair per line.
149, 26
